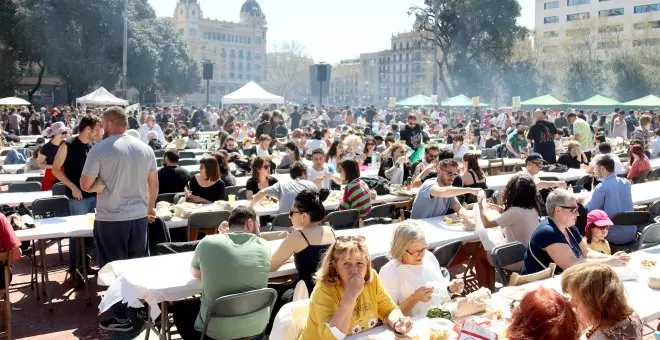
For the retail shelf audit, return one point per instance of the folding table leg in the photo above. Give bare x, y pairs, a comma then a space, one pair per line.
164, 321
44, 261
82, 264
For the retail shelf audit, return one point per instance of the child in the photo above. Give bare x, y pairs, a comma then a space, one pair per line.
598, 223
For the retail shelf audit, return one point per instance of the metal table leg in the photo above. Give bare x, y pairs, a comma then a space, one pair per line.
164, 321
44, 273
81, 267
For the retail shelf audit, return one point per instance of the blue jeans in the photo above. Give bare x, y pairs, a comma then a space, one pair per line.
82, 207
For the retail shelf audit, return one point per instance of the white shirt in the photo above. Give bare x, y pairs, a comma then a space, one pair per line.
316, 144
262, 152
462, 150
618, 166
655, 147
144, 133
534, 177
314, 174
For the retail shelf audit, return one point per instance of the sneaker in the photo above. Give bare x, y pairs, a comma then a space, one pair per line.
116, 325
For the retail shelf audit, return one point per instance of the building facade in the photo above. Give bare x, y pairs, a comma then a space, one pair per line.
345, 86
605, 24
236, 49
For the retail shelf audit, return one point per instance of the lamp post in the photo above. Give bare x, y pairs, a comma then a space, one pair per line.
124, 66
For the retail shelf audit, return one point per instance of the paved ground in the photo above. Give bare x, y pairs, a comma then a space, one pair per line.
71, 318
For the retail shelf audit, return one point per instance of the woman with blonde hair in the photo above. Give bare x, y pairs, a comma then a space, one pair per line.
573, 158
349, 298
598, 297
412, 266
395, 166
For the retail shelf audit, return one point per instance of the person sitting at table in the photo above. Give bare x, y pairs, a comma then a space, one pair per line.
349, 298
9, 244
573, 158
286, 191
543, 314
310, 240
606, 149
638, 164
411, 266
520, 212
225, 174
472, 175
335, 154
171, 177
596, 229
154, 143
321, 173
262, 149
431, 153
437, 195
206, 186
533, 165
457, 147
235, 155
516, 143
234, 261
613, 195
366, 157
494, 139
429, 171
32, 164
395, 166
316, 142
642, 132
356, 193
261, 178
600, 301
557, 240
291, 154
57, 133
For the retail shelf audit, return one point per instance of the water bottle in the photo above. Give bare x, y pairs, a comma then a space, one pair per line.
657, 335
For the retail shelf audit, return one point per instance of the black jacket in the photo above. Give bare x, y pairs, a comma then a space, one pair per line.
414, 137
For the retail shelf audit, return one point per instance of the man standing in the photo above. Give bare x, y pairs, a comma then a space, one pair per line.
582, 133
149, 126
127, 168
542, 136
67, 168
561, 121
619, 126
412, 134
171, 177
613, 195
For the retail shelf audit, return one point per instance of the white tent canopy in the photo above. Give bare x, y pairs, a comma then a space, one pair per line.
101, 97
13, 101
252, 93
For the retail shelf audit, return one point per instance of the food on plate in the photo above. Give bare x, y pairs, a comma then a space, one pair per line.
439, 312
648, 264
442, 334
494, 314
473, 303
654, 280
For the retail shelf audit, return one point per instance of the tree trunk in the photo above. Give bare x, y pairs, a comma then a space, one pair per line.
42, 69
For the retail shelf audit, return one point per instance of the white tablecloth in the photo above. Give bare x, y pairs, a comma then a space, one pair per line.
642, 193
168, 278
499, 182
17, 178
12, 168
23, 197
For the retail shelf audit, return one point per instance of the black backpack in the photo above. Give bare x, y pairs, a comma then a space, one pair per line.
379, 184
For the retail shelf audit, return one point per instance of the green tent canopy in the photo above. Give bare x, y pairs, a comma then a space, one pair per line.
649, 101
597, 101
460, 101
542, 101
418, 100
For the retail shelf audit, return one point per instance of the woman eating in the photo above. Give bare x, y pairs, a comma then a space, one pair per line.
573, 158
291, 155
368, 151
356, 194
396, 167
225, 173
310, 240
599, 299
349, 298
411, 268
206, 186
57, 133
638, 164
520, 212
557, 240
261, 178
543, 314
335, 154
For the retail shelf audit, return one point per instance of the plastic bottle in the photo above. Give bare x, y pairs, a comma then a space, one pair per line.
657, 335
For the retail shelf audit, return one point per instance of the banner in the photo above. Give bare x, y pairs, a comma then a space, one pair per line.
392, 102
515, 103
475, 102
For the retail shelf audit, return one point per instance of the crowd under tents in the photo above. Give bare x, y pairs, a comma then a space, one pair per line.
418, 100
14, 101
100, 97
460, 101
542, 101
648, 102
251, 93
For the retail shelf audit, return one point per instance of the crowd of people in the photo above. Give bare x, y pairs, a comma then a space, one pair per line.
106, 160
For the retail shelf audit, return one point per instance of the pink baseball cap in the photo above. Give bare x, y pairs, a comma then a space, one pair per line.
599, 218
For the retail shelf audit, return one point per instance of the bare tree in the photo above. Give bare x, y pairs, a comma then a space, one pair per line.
287, 72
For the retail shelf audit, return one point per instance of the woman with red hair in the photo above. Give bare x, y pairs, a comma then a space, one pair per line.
544, 314
639, 163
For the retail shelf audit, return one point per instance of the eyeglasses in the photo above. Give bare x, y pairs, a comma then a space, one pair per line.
418, 253
266, 166
371, 144
573, 210
358, 238
450, 174
293, 212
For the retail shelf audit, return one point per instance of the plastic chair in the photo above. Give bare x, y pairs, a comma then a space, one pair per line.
233, 190
378, 262
178, 196
549, 178
654, 209
490, 153
639, 218
24, 187
383, 210
507, 256
6, 261
241, 195
56, 206
187, 161
206, 222
186, 154
518, 280
240, 304
650, 236
59, 189
282, 221
283, 171
642, 177
165, 198
444, 254
344, 219
35, 179
159, 153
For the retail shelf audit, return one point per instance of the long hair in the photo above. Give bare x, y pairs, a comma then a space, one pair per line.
332, 152
636, 150
521, 192
257, 165
296, 152
368, 140
327, 272
472, 160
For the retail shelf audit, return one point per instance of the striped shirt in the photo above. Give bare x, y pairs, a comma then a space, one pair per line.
357, 196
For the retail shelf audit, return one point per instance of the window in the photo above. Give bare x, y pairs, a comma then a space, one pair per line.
240, 66
610, 29
578, 16
608, 44
240, 76
646, 42
248, 55
551, 20
610, 12
576, 2
223, 52
240, 54
647, 24
647, 8
182, 31
577, 32
551, 5
232, 54
249, 40
231, 76
193, 32
550, 34
550, 49
232, 66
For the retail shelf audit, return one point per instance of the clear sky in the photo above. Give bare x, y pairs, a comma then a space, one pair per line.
329, 30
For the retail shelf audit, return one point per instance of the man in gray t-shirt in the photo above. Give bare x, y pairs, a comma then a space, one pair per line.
127, 168
436, 196
286, 192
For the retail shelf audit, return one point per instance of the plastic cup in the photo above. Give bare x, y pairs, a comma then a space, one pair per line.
232, 198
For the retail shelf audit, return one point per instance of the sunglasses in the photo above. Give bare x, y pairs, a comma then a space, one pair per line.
419, 252
358, 238
450, 174
573, 210
293, 212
